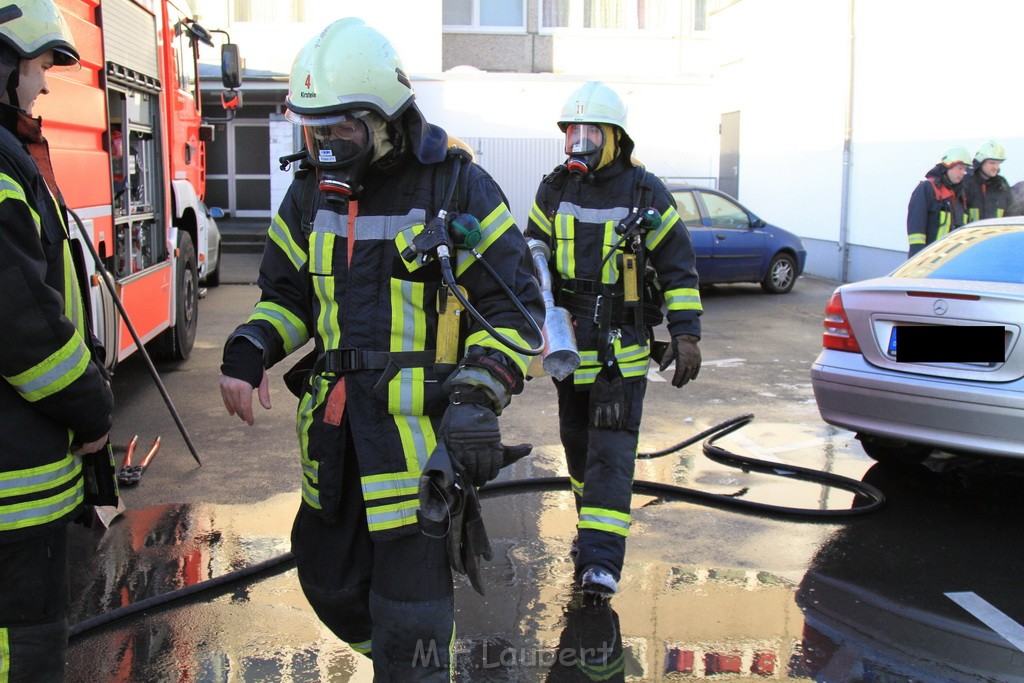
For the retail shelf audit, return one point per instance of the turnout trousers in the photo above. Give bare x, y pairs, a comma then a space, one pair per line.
391, 600
34, 603
601, 463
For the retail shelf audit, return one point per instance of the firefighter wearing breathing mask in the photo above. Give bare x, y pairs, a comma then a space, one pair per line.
373, 401
608, 223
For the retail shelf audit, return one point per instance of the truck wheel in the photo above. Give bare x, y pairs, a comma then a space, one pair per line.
175, 343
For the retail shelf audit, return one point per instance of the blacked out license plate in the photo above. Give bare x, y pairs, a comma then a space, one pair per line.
947, 344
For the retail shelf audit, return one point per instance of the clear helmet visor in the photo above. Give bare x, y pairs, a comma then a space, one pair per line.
583, 138
338, 141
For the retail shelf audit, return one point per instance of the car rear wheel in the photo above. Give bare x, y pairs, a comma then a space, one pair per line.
892, 452
781, 275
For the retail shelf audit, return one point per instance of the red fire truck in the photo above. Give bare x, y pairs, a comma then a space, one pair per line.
127, 139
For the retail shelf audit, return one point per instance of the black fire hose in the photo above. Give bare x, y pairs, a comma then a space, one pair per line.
286, 561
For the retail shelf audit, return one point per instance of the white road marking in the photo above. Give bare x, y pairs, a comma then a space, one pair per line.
991, 616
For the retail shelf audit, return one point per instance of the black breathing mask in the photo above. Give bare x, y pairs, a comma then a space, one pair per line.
584, 143
341, 150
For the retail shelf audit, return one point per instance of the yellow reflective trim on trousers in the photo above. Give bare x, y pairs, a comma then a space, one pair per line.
56, 372
683, 299
565, 233
916, 238
668, 219
289, 327
577, 486
310, 468
610, 269
392, 516
40, 511
5, 656
484, 338
596, 672
408, 333
602, 519
279, 234
540, 219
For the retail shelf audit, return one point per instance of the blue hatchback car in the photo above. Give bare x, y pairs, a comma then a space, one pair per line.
734, 245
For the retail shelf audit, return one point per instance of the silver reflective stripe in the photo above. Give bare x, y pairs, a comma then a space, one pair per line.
37, 478
40, 511
387, 227
585, 215
328, 221
390, 488
56, 373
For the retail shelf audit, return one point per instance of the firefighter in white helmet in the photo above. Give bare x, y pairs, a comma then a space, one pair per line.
55, 403
937, 205
987, 193
342, 269
606, 221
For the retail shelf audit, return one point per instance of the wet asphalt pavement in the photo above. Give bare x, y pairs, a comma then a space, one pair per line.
924, 589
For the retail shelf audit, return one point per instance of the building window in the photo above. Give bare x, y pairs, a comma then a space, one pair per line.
700, 15
618, 15
484, 14
268, 11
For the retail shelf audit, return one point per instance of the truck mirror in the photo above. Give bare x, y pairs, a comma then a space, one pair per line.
230, 66
230, 99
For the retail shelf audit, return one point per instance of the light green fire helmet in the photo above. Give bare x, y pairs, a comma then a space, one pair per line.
33, 26
955, 155
348, 66
593, 102
990, 149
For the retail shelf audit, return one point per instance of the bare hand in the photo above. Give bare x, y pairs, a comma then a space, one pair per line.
91, 446
237, 395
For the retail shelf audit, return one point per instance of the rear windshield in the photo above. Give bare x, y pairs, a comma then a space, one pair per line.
989, 254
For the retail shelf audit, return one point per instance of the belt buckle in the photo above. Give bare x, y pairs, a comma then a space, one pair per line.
598, 302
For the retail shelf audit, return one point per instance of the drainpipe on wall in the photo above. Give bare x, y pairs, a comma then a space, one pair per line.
844, 206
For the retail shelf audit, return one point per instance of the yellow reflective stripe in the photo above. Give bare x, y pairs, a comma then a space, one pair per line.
36, 479
363, 648
418, 441
391, 485
610, 269
491, 228
683, 299
56, 372
916, 238
408, 333
42, 510
484, 338
668, 219
392, 516
303, 421
602, 519
1000, 212
601, 672
289, 327
945, 220
5, 656
634, 368
540, 219
279, 234
565, 233
577, 486
11, 189
973, 215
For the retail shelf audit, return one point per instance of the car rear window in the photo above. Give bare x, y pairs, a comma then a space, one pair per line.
988, 254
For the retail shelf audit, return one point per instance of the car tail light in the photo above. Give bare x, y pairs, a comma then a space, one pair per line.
838, 334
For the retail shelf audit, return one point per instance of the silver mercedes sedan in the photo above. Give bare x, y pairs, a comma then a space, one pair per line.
931, 357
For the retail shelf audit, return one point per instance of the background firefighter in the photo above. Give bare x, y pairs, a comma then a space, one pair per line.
988, 194
371, 408
604, 217
937, 205
55, 402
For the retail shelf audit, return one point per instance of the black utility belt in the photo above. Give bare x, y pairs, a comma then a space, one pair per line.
608, 309
338, 361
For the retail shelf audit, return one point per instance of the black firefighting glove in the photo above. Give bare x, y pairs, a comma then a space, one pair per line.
686, 354
470, 431
608, 400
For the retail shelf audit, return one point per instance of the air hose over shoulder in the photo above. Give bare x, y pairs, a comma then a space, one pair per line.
286, 561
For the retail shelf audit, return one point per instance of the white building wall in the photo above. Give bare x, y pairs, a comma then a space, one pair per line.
928, 74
